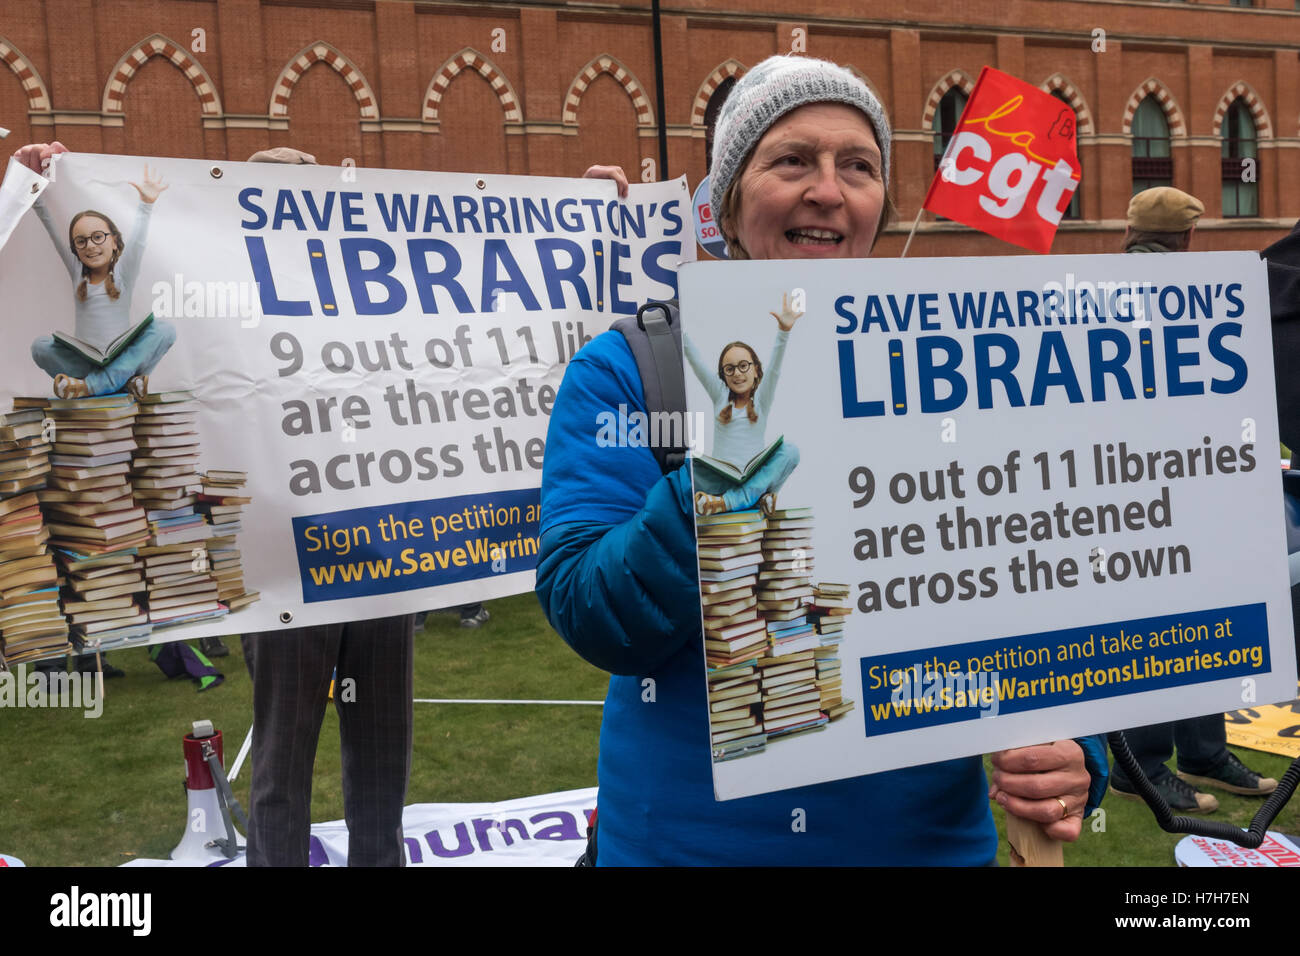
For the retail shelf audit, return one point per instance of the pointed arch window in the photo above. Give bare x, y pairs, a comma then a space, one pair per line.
946, 116
1240, 172
1152, 163
1073, 211
711, 116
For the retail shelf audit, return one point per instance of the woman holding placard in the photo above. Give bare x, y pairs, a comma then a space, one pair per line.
800, 170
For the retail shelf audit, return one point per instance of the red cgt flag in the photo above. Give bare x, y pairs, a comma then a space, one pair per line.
1011, 167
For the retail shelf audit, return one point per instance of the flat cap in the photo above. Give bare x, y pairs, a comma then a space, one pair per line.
283, 154
1164, 209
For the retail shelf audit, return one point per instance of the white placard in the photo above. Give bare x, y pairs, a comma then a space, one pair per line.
1050, 484
378, 350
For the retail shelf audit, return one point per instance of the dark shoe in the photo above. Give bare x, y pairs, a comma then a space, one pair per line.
1235, 777
474, 620
86, 665
1181, 796
213, 647
51, 665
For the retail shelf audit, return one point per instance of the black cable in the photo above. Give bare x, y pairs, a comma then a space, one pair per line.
1249, 838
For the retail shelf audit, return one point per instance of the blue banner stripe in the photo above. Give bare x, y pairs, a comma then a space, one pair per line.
912, 689
418, 544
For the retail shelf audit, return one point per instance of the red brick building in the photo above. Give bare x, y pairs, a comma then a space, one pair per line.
1163, 92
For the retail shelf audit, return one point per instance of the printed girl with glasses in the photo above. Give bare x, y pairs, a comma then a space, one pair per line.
740, 424
108, 353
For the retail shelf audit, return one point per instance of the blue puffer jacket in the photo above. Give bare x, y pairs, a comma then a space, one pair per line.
616, 577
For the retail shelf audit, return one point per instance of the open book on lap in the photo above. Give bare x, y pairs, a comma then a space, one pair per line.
103, 357
739, 475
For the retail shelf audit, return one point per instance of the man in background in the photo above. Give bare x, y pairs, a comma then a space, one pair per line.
291, 671
1163, 220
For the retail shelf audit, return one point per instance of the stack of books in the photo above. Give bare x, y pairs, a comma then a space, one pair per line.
89, 508
229, 572
94, 522
143, 540
24, 451
830, 605
730, 551
165, 470
784, 581
829, 684
102, 597
791, 702
31, 623
771, 637
222, 500
734, 726
32, 627
182, 588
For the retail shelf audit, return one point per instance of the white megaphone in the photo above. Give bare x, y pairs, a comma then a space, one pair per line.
210, 834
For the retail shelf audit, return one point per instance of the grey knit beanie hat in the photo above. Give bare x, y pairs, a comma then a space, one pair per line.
770, 90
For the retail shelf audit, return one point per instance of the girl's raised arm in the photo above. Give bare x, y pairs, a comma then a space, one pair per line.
708, 376
61, 245
772, 370
128, 266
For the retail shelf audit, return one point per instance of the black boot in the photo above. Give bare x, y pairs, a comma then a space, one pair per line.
213, 647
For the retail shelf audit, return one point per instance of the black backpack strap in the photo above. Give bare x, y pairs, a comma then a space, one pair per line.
655, 337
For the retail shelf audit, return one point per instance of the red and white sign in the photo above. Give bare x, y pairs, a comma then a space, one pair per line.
1011, 166
707, 233
1278, 849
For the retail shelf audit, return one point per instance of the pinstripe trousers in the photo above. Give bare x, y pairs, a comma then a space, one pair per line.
291, 671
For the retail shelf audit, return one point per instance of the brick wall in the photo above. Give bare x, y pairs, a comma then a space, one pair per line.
547, 89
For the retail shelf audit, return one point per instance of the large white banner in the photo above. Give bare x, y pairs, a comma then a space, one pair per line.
1032, 498
549, 829
378, 351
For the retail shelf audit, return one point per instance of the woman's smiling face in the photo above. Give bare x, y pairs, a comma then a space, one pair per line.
813, 187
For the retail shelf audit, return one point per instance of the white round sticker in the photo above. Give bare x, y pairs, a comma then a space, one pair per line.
706, 230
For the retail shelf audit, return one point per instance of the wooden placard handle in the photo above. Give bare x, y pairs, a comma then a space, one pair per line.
99, 672
1030, 846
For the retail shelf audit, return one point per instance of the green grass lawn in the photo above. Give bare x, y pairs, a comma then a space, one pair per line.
99, 792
